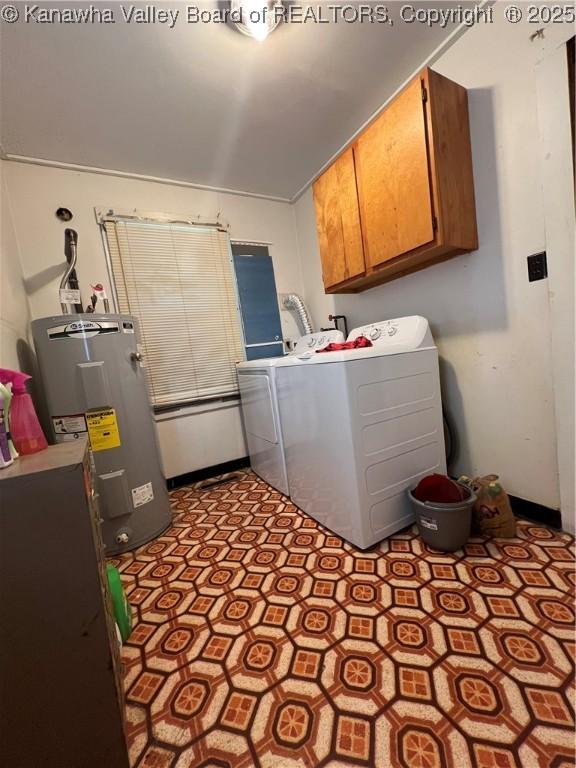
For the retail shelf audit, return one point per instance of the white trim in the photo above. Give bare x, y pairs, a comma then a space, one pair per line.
263, 243
179, 411
555, 151
138, 177
264, 344
113, 290
155, 217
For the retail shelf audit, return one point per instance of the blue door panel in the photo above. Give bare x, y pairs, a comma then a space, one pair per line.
258, 297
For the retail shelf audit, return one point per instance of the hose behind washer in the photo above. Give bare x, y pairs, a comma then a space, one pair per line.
293, 301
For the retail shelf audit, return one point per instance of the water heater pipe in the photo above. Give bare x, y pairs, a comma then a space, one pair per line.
293, 301
72, 241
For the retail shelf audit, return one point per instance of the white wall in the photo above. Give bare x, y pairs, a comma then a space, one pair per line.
14, 312
560, 224
492, 326
35, 192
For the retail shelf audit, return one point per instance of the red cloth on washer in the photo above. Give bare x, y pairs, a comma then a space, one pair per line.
358, 343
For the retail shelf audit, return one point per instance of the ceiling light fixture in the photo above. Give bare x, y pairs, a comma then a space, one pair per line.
256, 18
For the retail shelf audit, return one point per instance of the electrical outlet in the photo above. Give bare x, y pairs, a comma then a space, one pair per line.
537, 267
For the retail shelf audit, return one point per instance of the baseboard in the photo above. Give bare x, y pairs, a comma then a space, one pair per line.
206, 472
536, 512
530, 510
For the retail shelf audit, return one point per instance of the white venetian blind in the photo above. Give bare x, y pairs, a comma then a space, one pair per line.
178, 281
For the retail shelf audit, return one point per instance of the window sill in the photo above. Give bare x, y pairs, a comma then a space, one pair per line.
167, 412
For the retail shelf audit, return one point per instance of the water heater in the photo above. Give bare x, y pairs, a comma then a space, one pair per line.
95, 387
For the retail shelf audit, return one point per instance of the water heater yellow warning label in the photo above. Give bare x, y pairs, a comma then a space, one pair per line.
103, 429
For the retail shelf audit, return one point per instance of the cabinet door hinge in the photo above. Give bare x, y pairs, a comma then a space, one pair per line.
424, 94
434, 223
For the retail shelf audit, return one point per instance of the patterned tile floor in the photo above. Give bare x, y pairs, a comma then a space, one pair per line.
264, 640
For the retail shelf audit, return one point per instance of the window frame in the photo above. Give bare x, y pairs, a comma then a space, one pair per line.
149, 217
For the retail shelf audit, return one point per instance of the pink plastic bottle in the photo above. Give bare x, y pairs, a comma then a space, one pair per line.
25, 428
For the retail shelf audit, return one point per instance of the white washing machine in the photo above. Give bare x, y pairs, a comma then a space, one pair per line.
257, 379
362, 426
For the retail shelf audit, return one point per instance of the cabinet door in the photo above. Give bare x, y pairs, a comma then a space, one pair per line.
393, 179
338, 222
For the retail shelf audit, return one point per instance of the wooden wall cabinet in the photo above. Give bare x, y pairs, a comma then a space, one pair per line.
338, 219
402, 197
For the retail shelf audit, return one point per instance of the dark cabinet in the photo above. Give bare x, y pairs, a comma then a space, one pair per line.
61, 703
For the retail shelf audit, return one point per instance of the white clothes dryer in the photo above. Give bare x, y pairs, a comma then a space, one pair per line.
257, 380
361, 426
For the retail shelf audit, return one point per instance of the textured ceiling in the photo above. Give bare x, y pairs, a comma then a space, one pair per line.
200, 102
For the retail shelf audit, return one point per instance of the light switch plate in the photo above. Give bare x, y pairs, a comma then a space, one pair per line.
537, 267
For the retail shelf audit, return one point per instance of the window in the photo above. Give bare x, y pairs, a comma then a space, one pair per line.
178, 281
258, 301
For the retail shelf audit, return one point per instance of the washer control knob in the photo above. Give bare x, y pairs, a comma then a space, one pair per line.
375, 333
392, 330
311, 342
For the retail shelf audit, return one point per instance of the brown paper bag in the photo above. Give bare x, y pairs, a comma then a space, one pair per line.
491, 514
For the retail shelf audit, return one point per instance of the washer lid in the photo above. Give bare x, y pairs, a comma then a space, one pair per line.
264, 362
389, 337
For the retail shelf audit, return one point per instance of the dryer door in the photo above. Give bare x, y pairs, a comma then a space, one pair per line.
262, 425
257, 406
